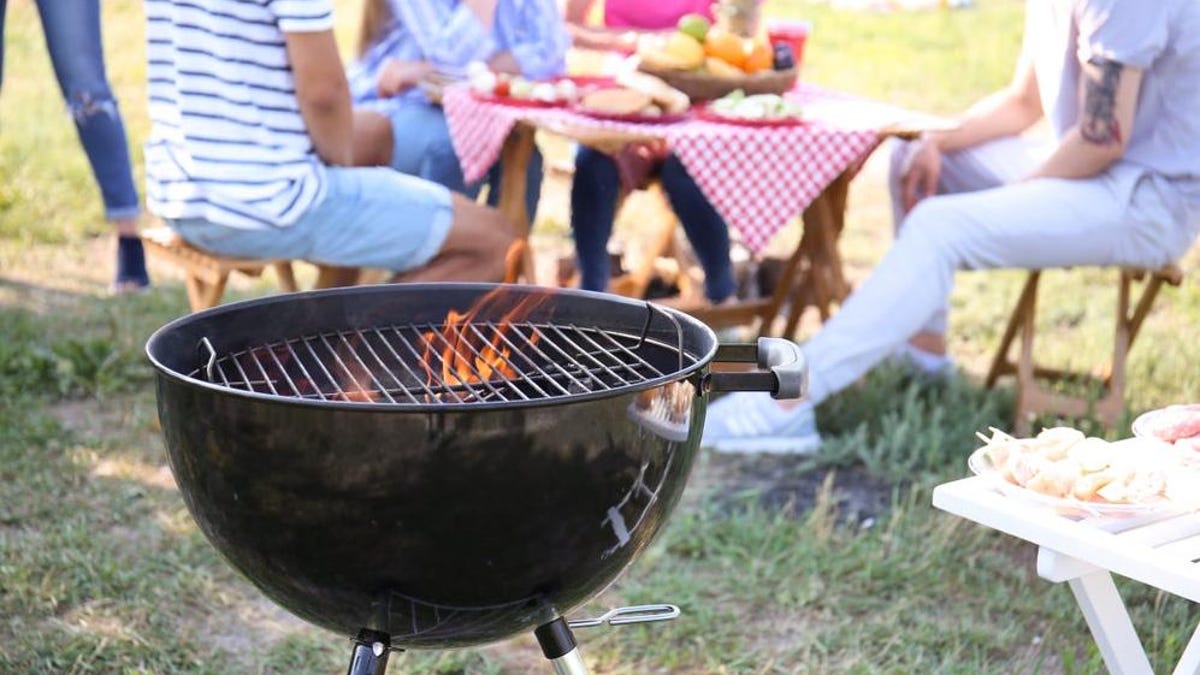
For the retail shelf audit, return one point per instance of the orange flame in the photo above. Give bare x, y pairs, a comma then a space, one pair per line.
468, 356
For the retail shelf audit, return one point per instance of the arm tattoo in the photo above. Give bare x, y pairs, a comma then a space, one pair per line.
1099, 124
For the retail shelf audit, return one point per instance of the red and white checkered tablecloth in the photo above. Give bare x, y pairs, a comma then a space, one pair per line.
757, 178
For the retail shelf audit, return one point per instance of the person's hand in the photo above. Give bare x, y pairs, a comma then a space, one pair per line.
920, 172
636, 161
627, 42
395, 75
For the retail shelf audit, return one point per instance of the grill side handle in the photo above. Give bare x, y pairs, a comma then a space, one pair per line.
787, 371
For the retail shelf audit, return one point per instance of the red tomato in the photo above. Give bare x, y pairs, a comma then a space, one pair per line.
501, 88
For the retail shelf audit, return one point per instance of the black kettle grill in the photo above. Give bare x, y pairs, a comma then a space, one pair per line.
440, 465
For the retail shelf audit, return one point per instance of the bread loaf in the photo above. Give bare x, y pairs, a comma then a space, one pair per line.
616, 101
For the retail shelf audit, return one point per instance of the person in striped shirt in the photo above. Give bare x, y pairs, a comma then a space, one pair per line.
404, 41
250, 150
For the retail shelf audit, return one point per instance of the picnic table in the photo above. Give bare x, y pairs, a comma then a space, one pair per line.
757, 178
1158, 549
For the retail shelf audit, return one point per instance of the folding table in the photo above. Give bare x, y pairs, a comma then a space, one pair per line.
1160, 550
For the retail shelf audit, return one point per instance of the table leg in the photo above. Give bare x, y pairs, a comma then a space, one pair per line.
839, 193
514, 166
1189, 663
787, 283
821, 283
1110, 624
812, 275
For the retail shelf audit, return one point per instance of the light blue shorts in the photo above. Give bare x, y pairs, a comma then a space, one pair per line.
369, 217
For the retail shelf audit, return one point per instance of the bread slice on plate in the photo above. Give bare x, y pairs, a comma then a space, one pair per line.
671, 100
617, 101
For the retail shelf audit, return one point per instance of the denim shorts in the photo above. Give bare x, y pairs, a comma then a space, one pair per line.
368, 217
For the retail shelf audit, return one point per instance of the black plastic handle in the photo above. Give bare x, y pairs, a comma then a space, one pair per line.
788, 371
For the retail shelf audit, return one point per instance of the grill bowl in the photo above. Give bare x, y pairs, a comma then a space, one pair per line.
442, 525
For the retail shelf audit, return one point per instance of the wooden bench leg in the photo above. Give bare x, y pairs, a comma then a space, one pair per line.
1127, 326
1001, 364
1133, 323
1109, 408
286, 276
205, 295
1033, 398
1026, 386
659, 241
335, 277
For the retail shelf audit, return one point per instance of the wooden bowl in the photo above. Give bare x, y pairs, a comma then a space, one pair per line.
703, 86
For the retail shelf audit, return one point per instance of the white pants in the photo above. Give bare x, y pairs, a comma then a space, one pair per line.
983, 220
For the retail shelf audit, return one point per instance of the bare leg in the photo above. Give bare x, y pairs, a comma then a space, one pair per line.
474, 249
126, 227
372, 139
928, 341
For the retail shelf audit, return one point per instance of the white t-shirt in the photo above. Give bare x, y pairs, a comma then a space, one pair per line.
1159, 37
228, 143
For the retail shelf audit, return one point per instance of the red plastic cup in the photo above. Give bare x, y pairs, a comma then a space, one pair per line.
792, 32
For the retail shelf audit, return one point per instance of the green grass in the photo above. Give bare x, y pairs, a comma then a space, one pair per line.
102, 569
933, 61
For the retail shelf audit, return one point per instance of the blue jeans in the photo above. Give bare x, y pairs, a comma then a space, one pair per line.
72, 29
594, 207
421, 147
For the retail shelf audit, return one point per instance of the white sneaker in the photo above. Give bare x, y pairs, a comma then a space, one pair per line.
752, 422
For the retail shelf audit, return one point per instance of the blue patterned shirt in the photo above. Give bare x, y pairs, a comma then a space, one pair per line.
449, 35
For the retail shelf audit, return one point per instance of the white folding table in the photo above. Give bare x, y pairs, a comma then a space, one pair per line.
1159, 550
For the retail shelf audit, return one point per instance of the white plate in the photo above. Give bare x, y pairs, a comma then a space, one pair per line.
1156, 455
1139, 424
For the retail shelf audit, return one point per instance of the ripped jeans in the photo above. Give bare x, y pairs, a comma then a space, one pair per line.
72, 29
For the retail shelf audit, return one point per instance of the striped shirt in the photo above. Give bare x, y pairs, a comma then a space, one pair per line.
227, 142
448, 34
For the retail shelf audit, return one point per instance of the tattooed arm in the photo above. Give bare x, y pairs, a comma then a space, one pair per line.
1107, 100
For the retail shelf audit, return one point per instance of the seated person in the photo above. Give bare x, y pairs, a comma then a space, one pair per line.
598, 182
249, 155
1115, 79
404, 41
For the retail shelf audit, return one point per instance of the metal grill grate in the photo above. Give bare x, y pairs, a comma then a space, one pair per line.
406, 364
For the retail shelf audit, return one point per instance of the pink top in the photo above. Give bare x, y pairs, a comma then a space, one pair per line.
652, 15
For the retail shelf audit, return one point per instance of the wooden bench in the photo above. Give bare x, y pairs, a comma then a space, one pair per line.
1032, 398
206, 274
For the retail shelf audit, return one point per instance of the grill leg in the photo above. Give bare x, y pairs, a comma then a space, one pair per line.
370, 653
558, 644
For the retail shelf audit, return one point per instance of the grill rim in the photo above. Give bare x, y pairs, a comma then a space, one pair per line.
700, 363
